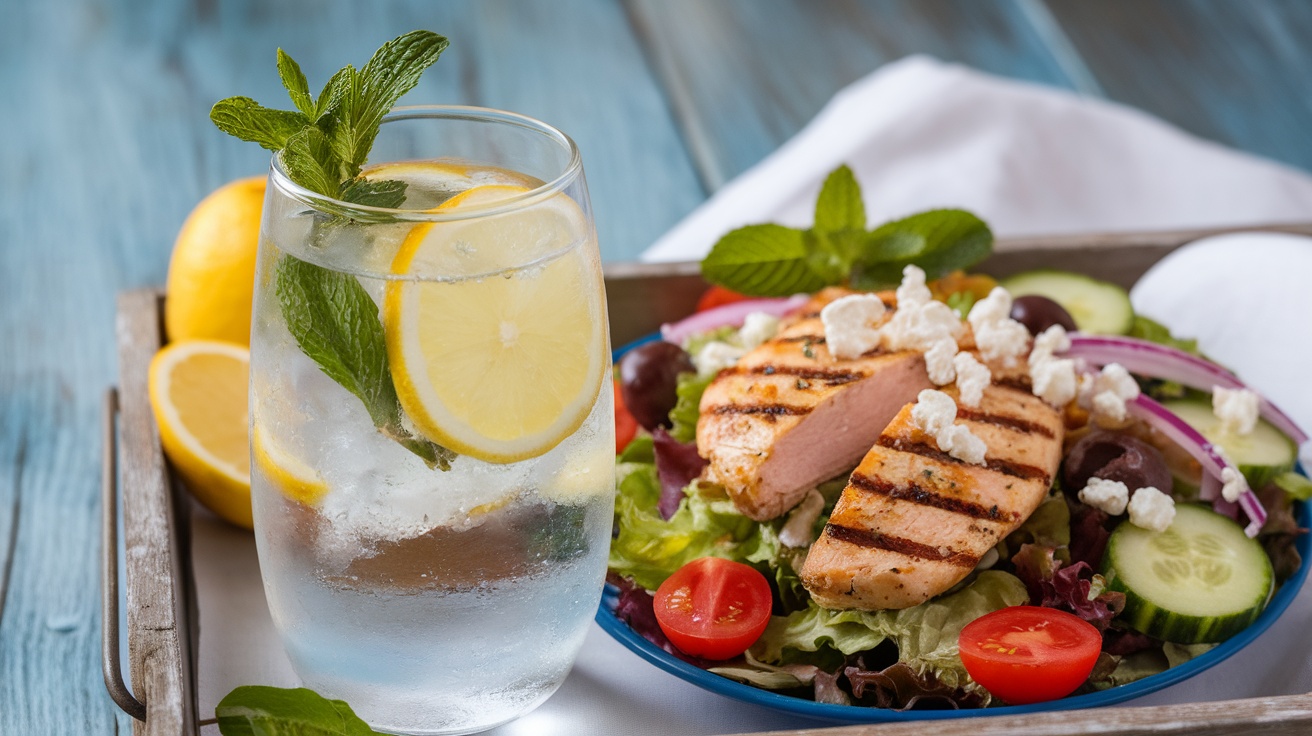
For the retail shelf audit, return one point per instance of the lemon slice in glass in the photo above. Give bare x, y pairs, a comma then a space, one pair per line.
502, 358
288, 473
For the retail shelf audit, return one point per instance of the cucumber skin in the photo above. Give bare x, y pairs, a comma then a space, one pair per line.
1147, 617
1017, 285
1258, 476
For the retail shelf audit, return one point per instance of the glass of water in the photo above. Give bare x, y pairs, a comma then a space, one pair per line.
431, 422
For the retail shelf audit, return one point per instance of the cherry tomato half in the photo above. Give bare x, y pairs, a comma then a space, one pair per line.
713, 608
625, 425
718, 296
1029, 654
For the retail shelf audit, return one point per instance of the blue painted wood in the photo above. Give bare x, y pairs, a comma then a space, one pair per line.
1235, 72
745, 75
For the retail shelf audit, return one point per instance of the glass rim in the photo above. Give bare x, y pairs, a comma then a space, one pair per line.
279, 177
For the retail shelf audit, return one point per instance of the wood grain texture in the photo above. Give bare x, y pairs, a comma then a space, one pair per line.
1235, 72
745, 75
159, 634
1284, 716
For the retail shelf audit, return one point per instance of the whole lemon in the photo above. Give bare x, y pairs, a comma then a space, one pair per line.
212, 272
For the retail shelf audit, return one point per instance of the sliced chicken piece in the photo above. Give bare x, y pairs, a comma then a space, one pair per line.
914, 521
789, 415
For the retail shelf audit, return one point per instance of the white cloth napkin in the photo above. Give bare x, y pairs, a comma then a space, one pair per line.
919, 134
1030, 160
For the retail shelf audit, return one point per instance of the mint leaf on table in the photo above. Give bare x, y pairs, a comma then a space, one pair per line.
773, 260
257, 710
335, 323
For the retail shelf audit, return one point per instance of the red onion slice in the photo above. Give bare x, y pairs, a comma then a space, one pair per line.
1179, 432
728, 314
1161, 361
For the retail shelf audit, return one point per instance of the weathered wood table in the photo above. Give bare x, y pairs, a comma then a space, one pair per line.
106, 145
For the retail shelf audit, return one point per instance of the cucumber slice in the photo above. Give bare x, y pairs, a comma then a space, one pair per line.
1096, 306
1201, 580
1260, 455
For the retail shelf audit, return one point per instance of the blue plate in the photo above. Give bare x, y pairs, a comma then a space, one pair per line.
862, 714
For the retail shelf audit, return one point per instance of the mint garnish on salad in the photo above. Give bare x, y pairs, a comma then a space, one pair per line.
323, 145
774, 260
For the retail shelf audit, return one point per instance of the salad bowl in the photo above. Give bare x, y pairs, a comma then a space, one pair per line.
1280, 601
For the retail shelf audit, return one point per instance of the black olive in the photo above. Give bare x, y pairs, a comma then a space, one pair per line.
1115, 456
648, 377
1038, 313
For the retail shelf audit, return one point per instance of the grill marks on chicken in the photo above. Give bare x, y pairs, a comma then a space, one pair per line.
789, 416
913, 521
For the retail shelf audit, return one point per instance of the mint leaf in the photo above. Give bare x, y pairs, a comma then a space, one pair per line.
309, 161
938, 241
257, 710
297, 88
250, 121
368, 94
763, 260
839, 206
335, 323
381, 193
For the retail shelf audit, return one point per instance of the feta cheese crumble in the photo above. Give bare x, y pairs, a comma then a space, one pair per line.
972, 378
1106, 393
849, 322
997, 335
939, 361
913, 292
1237, 408
935, 413
1151, 509
757, 328
1110, 496
1049, 342
1233, 484
1054, 380
715, 356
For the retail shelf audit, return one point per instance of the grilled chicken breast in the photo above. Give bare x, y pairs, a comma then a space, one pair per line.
789, 415
913, 521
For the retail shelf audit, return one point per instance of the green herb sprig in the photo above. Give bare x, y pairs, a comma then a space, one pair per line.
274, 711
323, 145
774, 260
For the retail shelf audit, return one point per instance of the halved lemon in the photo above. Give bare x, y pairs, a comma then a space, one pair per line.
498, 361
290, 474
198, 394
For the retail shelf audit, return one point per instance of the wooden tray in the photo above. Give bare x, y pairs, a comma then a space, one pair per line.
163, 631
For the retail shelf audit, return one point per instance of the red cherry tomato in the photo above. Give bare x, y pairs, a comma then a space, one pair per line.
713, 608
1029, 654
718, 296
625, 425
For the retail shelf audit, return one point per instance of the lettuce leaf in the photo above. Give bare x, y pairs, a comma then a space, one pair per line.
648, 549
683, 417
925, 635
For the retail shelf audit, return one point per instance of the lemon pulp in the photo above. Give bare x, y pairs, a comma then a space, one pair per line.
499, 361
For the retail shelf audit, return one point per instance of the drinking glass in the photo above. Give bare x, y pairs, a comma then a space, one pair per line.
431, 421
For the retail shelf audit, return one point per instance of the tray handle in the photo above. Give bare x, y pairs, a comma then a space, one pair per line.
109, 641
